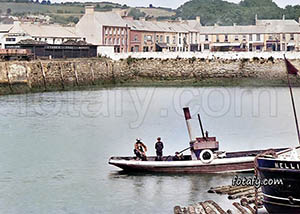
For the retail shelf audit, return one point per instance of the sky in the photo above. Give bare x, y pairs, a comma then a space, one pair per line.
170, 3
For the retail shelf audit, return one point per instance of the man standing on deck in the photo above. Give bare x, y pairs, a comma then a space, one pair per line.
159, 149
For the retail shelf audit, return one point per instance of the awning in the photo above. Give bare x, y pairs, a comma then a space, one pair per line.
291, 44
226, 44
162, 45
258, 44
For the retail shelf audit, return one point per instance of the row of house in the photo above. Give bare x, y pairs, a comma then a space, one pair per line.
121, 33
128, 35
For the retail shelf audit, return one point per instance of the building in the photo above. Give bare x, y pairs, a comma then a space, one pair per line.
50, 34
104, 28
4, 30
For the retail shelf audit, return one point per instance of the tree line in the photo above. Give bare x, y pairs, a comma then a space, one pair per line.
243, 13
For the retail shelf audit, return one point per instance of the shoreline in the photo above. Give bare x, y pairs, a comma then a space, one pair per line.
227, 83
19, 77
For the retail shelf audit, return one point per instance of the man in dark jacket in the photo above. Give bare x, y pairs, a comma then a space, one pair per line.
159, 149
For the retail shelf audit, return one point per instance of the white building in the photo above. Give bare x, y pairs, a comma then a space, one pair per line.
51, 34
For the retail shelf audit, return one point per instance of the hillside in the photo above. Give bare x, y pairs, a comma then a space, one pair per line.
71, 12
210, 11
225, 13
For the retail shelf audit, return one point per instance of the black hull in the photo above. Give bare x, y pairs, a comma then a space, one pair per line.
284, 197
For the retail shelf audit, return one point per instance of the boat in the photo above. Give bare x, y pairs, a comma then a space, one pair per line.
204, 157
284, 167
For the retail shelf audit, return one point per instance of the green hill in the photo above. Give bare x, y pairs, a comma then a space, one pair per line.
225, 13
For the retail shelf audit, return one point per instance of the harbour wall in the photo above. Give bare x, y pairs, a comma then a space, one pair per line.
47, 75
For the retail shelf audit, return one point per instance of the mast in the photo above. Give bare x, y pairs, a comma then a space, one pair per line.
201, 126
292, 98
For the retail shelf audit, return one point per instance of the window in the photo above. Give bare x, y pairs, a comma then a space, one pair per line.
10, 39
110, 30
118, 41
135, 38
257, 37
218, 39
157, 38
179, 41
283, 37
106, 31
236, 38
250, 37
109, 41
114, 41
206, 37
105, 41
244, 37
168, 39
174, 39
161, 38
226, 38
206, 46
292, 36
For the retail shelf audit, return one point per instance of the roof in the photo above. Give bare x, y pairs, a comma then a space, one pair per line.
38, 30
276, 22
249, 29
55, 31
108, 19
5, 28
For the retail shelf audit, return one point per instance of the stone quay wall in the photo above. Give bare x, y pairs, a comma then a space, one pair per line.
22, 77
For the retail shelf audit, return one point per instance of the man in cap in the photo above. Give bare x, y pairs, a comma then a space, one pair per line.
140, 150
159, 149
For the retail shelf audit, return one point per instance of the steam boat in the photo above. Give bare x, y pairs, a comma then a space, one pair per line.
205, 157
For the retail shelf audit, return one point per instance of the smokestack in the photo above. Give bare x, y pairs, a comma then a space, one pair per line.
283, 17
198, 19
256, 18
187, 116
90, 9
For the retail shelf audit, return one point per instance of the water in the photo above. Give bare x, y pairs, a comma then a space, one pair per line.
55, 147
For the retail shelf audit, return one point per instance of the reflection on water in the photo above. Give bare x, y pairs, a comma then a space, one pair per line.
55, 147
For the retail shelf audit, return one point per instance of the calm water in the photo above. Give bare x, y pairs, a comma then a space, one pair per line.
55, 146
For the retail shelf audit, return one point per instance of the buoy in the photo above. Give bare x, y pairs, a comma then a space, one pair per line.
206, 156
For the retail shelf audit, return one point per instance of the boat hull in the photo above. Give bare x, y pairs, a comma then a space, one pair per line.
232, 162
236, 165
283, 197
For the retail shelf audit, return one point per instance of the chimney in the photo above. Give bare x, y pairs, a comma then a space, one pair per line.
256, 18
216, 25
283, 17
89, 9
234, 24
142, 19
179, 18
198, 19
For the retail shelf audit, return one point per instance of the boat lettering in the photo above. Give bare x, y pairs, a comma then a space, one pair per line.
287, 165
